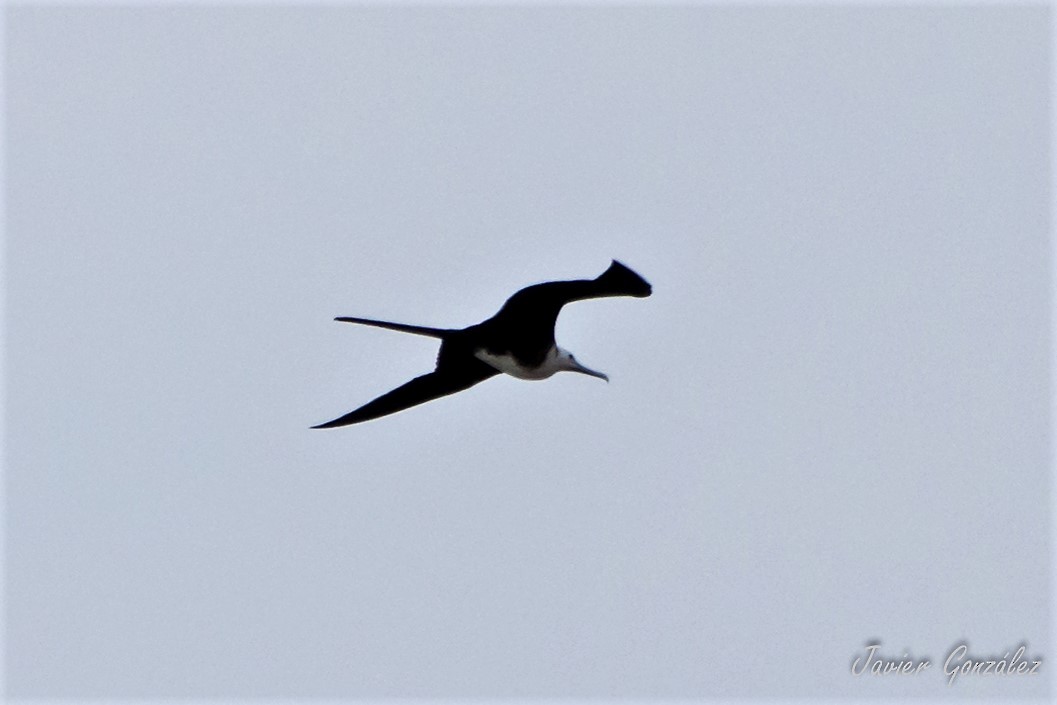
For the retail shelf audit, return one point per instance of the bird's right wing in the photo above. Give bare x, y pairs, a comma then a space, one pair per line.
530, 314
441, 382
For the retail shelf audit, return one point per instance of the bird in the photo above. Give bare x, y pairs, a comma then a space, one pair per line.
518, 341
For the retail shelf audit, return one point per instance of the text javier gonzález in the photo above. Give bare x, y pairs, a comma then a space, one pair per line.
959, 662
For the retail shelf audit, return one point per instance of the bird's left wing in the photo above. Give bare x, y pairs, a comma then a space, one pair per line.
446, 379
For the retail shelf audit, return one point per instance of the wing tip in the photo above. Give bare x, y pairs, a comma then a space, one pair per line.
335, 423
626, 280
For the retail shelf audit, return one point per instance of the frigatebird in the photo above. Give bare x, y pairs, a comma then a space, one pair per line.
519, 340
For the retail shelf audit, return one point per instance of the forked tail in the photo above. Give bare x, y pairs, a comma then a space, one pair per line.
417, 330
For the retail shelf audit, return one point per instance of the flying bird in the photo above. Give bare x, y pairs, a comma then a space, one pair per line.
519, 340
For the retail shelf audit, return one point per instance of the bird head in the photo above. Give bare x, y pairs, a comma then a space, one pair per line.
568, 362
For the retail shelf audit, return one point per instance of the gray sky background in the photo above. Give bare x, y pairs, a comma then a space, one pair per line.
830, 424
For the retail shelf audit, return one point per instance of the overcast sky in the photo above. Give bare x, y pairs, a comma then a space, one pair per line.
828, 426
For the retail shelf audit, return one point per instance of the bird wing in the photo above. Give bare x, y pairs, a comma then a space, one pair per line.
446, 379
528, 316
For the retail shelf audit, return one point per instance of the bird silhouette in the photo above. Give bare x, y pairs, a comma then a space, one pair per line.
518, 341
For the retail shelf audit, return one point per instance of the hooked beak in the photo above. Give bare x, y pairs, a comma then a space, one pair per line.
588, 371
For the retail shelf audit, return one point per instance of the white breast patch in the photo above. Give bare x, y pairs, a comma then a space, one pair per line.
507, 364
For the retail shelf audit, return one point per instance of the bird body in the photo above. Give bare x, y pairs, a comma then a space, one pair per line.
518, 340
556, 360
